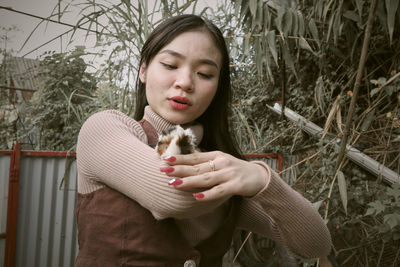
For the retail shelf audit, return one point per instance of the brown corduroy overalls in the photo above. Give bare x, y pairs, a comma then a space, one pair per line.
114, 230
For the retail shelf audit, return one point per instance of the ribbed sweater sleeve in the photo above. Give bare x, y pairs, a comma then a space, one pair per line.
282, 214
112, 151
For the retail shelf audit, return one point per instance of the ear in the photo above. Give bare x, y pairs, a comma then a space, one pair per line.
142, 73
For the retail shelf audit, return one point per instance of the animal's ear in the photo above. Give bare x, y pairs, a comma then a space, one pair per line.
142, 73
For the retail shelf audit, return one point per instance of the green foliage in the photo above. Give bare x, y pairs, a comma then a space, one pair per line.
63, 101
8, 114
354, 233
307, 55
388, 206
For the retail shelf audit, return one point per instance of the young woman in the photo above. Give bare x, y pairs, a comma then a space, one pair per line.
137, 209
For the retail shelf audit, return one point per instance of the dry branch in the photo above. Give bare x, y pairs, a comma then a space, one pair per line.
357, 83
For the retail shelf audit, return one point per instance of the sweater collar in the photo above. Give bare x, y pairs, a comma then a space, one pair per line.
160, 124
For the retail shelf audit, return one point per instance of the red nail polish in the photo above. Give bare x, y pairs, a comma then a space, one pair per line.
167, 169
198, 195
169, 158
175, 181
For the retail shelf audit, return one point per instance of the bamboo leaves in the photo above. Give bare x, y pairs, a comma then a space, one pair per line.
301, 27
259, 60
271, 44
144, 20
267, 18
257, 22
238, 5
320, 29
391, 8
368, 120
279, 18
288, 58
294, 31
287, 23
304, 44
360, 4
342, 189
253, 7
334, 111
314, 31
319, 92
334, 25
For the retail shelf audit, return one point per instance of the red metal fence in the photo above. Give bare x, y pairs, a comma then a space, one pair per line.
13, 187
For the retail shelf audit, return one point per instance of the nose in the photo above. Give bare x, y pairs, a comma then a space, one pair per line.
184, 80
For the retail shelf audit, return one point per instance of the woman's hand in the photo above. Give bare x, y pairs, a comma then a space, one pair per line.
219, 174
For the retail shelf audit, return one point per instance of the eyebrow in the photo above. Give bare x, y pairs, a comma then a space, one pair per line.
178, 55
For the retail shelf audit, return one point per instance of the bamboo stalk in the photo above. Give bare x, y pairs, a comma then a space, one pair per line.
16, 88
353, 154
357, 83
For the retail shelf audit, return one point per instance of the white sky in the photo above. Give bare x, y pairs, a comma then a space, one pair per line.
46, 31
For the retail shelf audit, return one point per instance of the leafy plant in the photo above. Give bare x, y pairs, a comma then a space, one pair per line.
8, 113
62, 102
388, 206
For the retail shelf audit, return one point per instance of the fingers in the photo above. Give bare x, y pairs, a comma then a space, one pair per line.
192, 159
215, 185
195, 164
205, 180
214, 175
219, 191
187, 170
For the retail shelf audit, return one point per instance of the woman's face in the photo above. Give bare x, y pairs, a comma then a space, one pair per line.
182, 79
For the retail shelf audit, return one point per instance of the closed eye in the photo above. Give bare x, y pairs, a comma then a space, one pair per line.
168, 66
206, 76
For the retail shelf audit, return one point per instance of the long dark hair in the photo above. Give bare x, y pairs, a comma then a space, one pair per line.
217, 133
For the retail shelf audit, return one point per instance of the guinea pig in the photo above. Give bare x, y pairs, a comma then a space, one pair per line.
175, 141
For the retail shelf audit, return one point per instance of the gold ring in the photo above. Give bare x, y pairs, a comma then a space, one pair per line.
212, 165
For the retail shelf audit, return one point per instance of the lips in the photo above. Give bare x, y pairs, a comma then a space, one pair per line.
179, 102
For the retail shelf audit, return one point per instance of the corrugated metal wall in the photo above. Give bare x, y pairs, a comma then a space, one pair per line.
46, 233
4, 175
289, 175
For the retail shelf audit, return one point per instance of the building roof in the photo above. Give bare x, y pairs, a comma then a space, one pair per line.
23, 72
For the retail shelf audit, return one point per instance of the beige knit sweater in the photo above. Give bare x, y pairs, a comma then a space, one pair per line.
112, 151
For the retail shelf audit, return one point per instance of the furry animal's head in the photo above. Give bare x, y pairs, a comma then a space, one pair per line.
176, 141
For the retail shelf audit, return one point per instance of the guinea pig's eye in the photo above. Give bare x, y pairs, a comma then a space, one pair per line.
165, 142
